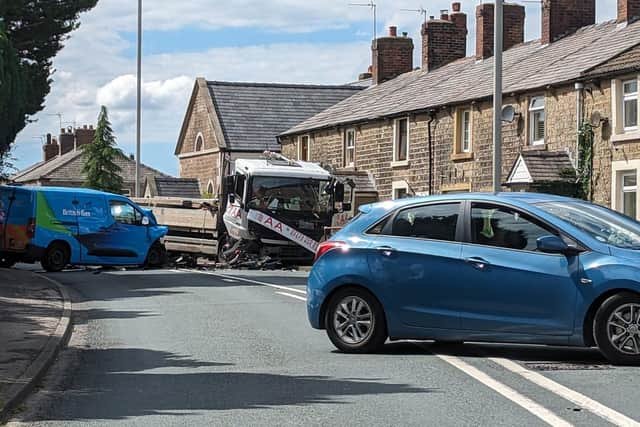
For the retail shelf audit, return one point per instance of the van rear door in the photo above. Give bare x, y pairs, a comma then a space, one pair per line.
17, 222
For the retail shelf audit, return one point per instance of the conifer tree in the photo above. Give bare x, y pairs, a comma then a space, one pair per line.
102, 172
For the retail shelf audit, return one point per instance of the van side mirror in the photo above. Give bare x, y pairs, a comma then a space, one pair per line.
554, 245
338, 192
229, 184
346, 207
145, 220
232, 198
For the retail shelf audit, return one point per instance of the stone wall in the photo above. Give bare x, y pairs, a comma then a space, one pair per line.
374, 144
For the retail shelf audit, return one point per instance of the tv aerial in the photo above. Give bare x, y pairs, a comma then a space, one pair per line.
372, 5
422, 11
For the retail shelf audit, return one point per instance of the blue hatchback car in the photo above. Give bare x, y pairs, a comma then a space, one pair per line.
510, 267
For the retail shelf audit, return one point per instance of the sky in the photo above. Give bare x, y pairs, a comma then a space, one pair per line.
289, 41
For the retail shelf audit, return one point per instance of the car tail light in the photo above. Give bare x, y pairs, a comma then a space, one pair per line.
329, 245
31, 228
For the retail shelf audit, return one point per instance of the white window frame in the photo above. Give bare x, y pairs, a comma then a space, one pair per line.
620, 169
399, 185
628, 97
195, 143
628, 188
466, 131
308, 147
532, 112
396, 141
346, 148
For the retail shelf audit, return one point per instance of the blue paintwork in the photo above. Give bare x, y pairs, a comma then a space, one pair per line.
82, 218
429, 290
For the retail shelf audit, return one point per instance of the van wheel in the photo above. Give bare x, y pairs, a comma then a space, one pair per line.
157, 256
355, 321
7, 261
55, 258
617, 329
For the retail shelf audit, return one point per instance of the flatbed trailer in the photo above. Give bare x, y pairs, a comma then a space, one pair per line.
193, 223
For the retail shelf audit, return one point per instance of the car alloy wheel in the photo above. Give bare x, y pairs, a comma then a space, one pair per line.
623, 329
56, 258
617, 328
353, 320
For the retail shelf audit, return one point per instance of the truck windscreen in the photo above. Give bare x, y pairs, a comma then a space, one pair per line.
290, 195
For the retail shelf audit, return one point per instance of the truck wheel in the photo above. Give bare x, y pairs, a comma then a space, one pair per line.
7, 261
157, 256
55, 258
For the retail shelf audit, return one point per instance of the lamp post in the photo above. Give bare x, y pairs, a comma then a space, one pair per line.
139, 100
497, 98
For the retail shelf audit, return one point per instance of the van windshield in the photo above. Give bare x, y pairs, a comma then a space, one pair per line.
602, 224
290, 195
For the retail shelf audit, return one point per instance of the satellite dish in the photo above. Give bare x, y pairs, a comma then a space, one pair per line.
508, 114
596, 119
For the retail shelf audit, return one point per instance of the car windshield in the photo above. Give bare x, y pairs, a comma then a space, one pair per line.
290, 194
602, 224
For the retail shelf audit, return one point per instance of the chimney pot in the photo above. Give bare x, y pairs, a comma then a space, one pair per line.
444, 14
391, 56
455, 7
405, 34
393, 31
48, 139
513, 32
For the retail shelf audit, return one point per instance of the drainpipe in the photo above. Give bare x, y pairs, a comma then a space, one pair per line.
579, 86
432, 118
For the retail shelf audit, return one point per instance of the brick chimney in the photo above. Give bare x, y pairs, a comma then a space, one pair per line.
563, 17
391, 56
628, 11
444, 40
513, 34
84, 136
67, 141
51, 149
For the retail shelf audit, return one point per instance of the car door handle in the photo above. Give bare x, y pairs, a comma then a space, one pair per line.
478, 263
386, 250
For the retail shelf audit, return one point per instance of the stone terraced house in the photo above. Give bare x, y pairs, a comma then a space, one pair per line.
226, 121
429, 131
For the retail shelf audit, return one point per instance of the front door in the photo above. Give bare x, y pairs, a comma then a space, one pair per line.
509, 287
413, 258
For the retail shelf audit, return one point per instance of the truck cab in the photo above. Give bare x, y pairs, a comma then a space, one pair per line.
267, 198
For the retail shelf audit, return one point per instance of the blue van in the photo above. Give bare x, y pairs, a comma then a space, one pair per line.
62, 226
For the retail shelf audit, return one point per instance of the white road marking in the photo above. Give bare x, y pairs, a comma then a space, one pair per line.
292, 296
534, 408
242, 279
581, 400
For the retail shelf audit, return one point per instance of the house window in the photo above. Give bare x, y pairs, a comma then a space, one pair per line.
350, 148
304, 148
199, 143
401, 140
536, 120
400, 190
464, 131
630, 104
629, 196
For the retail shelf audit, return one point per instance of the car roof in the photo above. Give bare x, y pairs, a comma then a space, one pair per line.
514, 198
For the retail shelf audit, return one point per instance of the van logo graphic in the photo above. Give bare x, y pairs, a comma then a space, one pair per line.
76, 212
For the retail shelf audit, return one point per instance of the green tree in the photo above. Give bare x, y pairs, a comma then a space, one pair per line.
12, 95
100, 158
37, 30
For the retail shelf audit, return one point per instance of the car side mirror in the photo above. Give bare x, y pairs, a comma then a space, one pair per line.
232, 198
229, 184
145, 220
553, 245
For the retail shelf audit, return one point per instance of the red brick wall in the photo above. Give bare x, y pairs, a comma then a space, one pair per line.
628, 10
391, 56
444, 40
514, 16
562, 17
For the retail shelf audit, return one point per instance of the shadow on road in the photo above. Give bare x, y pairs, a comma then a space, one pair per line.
121, 383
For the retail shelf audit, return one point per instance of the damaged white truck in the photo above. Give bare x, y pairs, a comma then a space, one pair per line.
269, 208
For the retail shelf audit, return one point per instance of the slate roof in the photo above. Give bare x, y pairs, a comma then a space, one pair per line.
527, 66
627, 61
177, 187
252, 115
548, 166
68, 167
